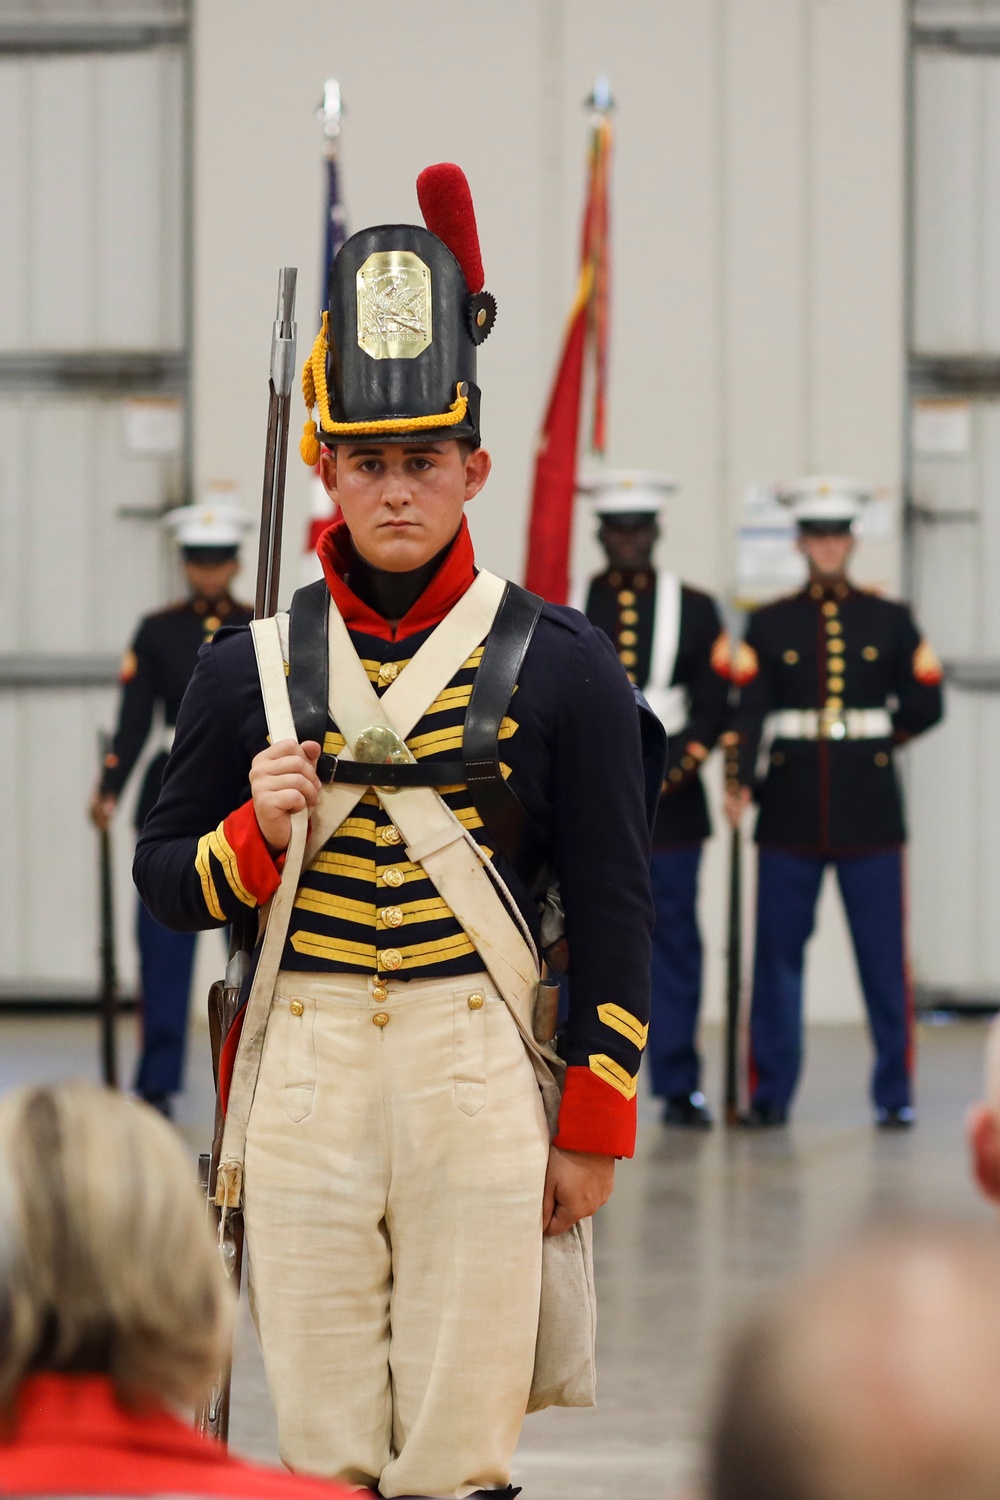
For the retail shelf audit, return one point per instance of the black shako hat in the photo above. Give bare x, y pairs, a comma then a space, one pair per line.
395, 358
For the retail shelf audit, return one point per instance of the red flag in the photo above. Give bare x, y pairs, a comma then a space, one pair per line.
550, 529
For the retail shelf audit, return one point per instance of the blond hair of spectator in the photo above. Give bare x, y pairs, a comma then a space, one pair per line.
107, 1265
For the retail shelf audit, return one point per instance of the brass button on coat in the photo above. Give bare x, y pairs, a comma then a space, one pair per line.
627, 658
391, 916
391, 835
388, 672
790, 658
476, 1001
626, 598
380, 991
390, 959
629, 617
393, 877
836, 685
834, 627
881, 758
829, 608
296, 1007
870, 653
627, 637
380, 1018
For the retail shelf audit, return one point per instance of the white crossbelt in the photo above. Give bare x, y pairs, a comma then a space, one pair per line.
829, 724
669, 704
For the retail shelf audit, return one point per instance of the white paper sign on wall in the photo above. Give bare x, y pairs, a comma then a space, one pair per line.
153, 425
941, 428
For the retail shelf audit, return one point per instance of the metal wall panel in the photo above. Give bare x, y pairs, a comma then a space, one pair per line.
957, 218
91, 199
75, 572
76, 577
955, 803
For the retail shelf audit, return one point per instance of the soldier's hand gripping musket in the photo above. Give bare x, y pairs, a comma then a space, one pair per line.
212, 1417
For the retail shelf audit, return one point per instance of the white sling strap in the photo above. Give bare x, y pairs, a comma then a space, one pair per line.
668, 703
281, 726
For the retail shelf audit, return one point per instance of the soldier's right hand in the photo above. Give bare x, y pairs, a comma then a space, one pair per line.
736, 805
283, 780
102, 809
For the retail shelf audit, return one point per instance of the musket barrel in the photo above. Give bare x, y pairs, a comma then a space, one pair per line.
282, 374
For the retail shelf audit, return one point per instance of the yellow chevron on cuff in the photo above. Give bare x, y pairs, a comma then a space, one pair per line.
224, 852
203, 865
605, 1067
625, 1023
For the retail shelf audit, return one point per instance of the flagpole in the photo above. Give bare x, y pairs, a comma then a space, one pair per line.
550, 526
330, 115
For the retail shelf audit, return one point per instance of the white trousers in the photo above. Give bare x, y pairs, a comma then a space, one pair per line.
395, 1167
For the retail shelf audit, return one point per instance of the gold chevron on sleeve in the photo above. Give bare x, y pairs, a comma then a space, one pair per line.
202, 864
605, 1067
224, 852
625, 1023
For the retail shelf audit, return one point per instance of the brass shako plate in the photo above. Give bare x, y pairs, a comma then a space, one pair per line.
395, 317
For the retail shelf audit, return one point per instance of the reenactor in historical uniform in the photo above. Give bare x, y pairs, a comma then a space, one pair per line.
832, 681
670, 640
154, 675
469, 745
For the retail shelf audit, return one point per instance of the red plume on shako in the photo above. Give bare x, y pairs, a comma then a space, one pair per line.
396, 352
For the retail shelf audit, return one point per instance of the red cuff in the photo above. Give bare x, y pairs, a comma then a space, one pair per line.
259, 872
594, 1116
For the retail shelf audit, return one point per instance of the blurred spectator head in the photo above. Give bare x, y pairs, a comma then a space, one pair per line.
983, 1124
877, 1379
107, 1265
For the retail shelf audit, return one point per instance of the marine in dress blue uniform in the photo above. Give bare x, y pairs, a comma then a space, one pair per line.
832, 681
155, 673
670, 640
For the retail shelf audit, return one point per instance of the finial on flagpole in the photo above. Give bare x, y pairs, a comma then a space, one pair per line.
600, 99
331, 110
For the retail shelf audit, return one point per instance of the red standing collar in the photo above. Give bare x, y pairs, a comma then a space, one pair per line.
449, 583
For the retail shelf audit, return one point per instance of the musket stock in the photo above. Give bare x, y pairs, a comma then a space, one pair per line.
212, 1415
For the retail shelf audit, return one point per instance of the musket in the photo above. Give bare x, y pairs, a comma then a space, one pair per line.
108, 1001
734, 976
212, 1415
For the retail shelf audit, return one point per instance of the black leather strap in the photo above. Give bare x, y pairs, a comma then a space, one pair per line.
308, 628
503, 657
424, 773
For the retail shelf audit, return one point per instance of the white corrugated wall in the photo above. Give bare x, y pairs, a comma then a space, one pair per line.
91, 199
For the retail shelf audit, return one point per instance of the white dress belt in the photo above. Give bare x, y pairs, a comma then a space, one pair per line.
670, 705
829, 724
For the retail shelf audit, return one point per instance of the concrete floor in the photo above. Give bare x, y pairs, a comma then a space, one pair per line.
701, 1229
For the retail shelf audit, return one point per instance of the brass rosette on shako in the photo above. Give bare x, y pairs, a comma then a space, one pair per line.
395, 357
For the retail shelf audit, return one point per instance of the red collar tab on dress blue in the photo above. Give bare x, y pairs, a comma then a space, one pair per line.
449, 583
